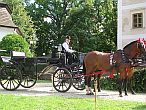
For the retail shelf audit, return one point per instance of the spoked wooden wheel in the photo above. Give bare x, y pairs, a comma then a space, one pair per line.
10, 77
62, 80
29, 80
78, 81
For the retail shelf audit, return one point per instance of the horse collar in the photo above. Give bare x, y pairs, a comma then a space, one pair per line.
123, 57
112, 61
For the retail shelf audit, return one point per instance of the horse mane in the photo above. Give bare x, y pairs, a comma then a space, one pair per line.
129, 44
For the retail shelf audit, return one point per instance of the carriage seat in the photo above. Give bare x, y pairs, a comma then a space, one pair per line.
18, 56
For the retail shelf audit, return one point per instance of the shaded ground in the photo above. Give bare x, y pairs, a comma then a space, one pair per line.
46, 89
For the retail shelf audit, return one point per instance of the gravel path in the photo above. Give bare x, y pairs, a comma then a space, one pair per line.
45, 89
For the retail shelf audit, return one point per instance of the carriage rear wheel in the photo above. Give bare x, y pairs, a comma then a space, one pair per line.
10, 77
29, 80
62, 80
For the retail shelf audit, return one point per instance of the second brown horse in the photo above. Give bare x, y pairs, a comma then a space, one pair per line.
119, 62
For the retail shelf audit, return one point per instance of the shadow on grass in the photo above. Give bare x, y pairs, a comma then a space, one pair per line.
141, 107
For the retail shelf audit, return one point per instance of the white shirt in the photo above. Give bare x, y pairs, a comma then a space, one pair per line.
66, 47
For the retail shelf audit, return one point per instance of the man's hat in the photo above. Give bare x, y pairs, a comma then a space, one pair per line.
68, 37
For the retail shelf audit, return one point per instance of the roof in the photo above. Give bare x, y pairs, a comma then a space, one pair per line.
5, 16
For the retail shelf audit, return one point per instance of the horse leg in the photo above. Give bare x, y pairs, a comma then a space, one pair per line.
120, 87
125, 86
130, 86
98, 82
130, 80
88, 85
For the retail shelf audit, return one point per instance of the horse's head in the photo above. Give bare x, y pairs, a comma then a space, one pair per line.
135, 48
141, 46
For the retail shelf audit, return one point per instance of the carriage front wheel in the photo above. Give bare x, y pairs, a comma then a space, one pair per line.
78, 81
10, 77
62, 80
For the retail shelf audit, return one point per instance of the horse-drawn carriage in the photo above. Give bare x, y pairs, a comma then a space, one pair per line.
16, 69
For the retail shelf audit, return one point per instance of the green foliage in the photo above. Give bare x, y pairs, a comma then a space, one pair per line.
16, 43
92, 24
139, 82
22, 19
110, 83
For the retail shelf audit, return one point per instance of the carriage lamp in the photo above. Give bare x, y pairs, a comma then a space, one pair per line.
59, 48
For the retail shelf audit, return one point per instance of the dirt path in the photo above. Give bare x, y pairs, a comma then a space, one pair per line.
45, 89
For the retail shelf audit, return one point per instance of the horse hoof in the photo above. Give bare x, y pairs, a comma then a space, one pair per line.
92, 93
126, 94
89, 94
134, 93
120, 95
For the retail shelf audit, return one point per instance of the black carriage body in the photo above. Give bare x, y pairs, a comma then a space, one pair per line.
26, 69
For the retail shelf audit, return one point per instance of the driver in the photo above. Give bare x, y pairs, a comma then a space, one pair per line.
69, 51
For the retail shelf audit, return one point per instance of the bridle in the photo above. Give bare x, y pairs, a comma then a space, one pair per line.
124, 57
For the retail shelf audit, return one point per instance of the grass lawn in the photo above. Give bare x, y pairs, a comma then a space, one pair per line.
11, 102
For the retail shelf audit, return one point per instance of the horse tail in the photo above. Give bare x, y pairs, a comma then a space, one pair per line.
84, 68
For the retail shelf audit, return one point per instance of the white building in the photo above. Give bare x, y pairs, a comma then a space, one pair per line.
6, 24
131, 21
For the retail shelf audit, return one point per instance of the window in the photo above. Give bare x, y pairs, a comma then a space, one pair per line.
137, 20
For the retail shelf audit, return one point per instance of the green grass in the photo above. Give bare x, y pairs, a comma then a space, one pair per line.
11, 102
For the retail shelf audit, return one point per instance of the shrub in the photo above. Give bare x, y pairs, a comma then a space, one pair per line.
16, 43
109, 83
139, 81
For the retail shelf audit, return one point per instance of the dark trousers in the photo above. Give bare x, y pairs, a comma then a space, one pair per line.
69, 58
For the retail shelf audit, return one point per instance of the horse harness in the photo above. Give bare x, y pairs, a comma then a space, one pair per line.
124, 59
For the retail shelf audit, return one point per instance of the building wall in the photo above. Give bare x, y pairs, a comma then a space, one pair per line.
129, 2
125, 10
4, 31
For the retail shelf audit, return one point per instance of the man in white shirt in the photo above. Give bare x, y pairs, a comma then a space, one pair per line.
69, 51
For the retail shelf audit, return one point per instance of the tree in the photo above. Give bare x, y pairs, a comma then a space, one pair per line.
105, 24
15, 42
95, 26
51, 32
22, 19
88, 22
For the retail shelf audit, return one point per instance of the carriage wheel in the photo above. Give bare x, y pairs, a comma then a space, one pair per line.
10, 78
62, 80
29, 80
78, 82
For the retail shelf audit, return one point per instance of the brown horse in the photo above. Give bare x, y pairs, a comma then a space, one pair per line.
119, 62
